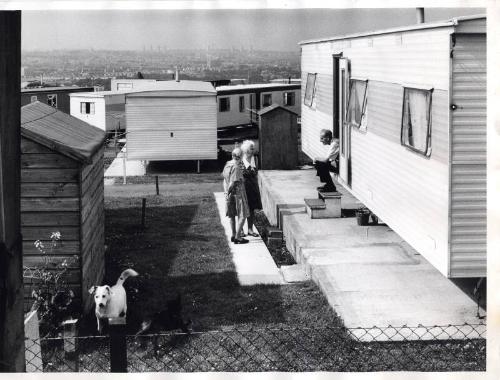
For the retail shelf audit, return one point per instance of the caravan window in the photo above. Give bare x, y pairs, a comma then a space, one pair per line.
310, 89
416, 121
87, 108
52, 100
224, 105
357, 102
242, 104
289, 99
267, 100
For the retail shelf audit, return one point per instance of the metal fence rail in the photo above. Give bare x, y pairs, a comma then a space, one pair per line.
277, 348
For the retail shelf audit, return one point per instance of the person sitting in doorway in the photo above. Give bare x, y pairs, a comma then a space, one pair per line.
236, 198
328, 163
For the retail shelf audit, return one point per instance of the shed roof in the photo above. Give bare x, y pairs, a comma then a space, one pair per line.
176, 88
273, 107
60, 132
427, 25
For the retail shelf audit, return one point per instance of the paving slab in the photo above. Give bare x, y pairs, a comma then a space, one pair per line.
369, 274
294, 273
253, 262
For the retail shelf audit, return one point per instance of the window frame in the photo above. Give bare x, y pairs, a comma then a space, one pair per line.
428, 149
270, 99
292, 96
363, 105
241, 103
227, 101
53, 96
312, 91
91, 108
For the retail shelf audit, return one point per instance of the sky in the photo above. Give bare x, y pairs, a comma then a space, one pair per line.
263, 29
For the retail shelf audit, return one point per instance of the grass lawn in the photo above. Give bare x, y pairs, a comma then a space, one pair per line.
183, 250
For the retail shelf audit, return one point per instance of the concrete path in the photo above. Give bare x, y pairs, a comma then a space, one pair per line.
253, 262
370, 276
132, 168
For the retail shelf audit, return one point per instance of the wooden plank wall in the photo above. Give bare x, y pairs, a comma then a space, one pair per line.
92, 225
50, 201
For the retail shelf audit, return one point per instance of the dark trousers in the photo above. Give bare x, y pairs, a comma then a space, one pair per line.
323, 172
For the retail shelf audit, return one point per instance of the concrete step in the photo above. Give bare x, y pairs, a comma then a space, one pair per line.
317, 209
294, 273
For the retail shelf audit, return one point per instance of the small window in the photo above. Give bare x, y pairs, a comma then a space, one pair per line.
310, 89
52, 100
357, 102
289, 99
267, 100
416, 121
124, 86
34, 98
242, 104
224, 104
87, 108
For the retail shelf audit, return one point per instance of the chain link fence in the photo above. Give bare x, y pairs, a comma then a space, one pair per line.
272, 348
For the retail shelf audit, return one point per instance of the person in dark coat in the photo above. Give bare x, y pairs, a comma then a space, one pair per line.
324, 164
251, 183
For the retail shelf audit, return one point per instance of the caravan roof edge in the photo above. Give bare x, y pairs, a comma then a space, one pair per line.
440, 24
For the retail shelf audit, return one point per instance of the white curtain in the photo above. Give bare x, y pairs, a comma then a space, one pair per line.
416, 118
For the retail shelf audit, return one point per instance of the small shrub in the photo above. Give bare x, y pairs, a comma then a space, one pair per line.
52, 296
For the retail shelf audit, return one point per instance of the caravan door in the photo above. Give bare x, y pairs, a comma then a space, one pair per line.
344, 128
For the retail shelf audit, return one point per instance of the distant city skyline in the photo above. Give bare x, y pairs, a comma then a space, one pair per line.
260, 29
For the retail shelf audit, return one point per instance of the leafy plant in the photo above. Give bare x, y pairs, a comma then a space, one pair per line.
52, 296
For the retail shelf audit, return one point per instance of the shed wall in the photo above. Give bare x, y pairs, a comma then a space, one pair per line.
49, 202
468, 155
92, 225
171, 128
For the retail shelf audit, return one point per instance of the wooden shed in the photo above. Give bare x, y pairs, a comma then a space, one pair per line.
409, 106
278, 144
62, 189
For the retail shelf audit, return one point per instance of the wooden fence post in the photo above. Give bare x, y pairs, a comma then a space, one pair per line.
118, 344
157, 186
143, 216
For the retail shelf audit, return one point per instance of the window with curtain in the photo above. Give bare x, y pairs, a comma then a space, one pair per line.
357, 102
416, 121
310, 89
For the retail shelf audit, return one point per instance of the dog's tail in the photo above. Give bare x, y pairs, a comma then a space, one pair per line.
126, 274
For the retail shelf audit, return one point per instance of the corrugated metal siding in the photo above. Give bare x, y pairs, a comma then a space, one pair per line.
468, 175
384, 108
418, 57
151, 121
406, 190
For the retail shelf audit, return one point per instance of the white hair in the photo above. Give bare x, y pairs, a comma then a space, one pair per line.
245, 145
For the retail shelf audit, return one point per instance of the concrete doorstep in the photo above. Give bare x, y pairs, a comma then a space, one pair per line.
379, 285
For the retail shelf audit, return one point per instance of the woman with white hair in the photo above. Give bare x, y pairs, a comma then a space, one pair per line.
251, 183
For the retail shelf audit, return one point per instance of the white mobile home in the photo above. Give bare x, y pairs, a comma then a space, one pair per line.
104, 109
409, 107
176, 122
235, 103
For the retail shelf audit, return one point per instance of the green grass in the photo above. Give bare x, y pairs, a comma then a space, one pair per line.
183, 250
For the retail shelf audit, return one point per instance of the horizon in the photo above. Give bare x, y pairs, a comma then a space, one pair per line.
260, 29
